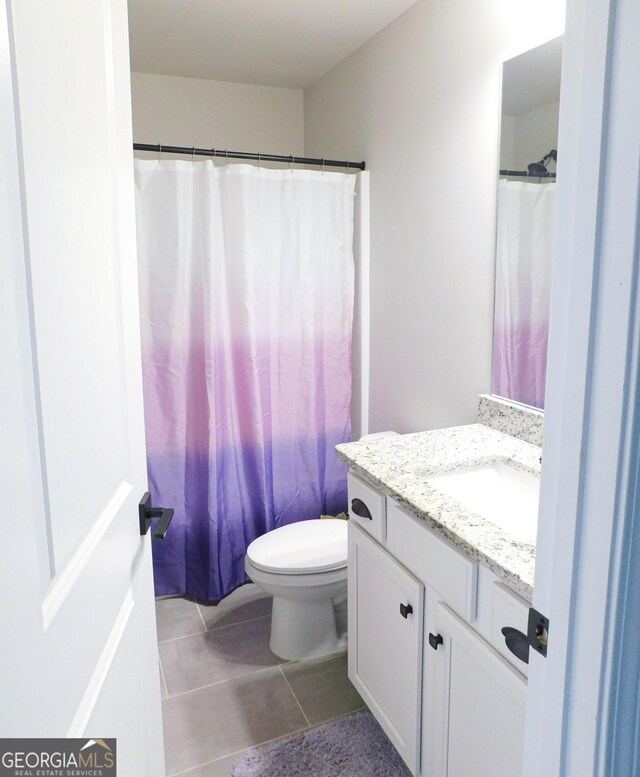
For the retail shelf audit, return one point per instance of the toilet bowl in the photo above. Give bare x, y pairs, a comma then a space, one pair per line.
304, 567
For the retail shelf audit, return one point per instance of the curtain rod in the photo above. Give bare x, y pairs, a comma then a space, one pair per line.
527, 174
211, 152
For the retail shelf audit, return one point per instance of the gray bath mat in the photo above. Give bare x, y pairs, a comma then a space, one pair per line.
355, 746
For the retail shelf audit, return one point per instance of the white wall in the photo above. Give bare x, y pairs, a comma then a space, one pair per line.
508, 142
197, 112
420, 104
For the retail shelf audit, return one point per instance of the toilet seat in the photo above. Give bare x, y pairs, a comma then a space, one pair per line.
303, 548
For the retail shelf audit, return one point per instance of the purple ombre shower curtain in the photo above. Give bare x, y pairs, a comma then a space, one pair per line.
526, 232
246, 294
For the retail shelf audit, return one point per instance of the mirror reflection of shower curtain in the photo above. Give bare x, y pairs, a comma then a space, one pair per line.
246, 304
526, 233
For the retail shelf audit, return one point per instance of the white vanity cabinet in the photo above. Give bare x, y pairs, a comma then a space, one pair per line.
425, 648
479, 705
386, 613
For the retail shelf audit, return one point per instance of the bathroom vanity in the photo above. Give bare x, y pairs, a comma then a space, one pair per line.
432, 582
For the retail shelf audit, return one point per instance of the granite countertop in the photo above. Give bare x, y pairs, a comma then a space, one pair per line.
398, 467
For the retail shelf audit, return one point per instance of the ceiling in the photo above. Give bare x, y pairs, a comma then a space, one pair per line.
287, 43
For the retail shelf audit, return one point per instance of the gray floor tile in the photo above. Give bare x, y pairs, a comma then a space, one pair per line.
214, 656
243, 604
163, 685
177, 617
228, 717
323, 688
219, 768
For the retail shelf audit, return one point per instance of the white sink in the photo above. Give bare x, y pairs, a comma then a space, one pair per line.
505, 496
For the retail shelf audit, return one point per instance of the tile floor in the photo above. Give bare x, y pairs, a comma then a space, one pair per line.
224, 691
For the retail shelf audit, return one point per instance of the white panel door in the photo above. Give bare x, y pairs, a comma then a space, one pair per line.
386, 612
78, 648
479, 705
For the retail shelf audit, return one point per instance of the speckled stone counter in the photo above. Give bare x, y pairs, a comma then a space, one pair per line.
521, 421
399, 467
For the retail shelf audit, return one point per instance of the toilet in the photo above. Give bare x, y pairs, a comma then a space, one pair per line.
304, 567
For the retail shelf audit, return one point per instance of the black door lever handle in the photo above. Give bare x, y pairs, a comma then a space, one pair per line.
146, 513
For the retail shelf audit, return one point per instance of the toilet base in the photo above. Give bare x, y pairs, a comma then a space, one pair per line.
302, 629
303, 620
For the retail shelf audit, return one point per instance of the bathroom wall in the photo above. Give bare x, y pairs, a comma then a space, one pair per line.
198, 112
420, 103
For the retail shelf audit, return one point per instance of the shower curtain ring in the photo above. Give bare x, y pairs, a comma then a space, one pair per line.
213, 155
259, 160
193, 155
322, 165
159, 150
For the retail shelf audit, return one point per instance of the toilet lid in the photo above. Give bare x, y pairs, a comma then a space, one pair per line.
305, 547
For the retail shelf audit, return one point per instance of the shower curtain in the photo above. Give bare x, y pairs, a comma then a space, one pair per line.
246, 295
526, 231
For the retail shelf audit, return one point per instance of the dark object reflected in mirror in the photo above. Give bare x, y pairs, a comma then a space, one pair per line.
540, 168
526, 222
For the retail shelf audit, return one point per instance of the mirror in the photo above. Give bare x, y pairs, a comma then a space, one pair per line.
526, 222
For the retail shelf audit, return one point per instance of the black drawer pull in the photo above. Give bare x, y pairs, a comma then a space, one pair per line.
405, 609
435, 640
517, 642
359, 508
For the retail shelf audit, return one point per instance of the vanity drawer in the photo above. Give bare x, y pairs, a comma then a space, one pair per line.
508, 609
433, 560
367, 507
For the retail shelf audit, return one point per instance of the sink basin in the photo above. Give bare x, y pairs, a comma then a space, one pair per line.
504, 496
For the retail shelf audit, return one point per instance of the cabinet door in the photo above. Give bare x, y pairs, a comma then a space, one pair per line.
479, 705
386, 611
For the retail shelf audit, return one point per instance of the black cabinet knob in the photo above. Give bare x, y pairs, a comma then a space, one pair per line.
435, 640
405, 609
359, 508
517, 642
